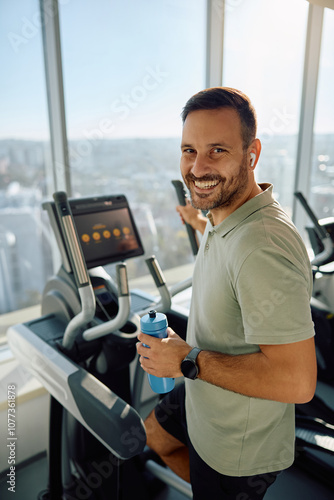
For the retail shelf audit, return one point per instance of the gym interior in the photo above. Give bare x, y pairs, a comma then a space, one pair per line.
92, 94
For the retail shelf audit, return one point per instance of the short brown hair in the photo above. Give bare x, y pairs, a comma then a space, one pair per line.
226, 97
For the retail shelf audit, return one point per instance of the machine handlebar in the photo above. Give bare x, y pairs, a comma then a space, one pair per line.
165, 301
328, 252
114, 325
181, 196
79, 270
321, 231
71, 239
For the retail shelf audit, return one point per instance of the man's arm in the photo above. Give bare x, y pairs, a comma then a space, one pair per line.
192, 216
285, 373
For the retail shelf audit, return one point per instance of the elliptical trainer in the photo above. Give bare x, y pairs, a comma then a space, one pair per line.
315, 420
82, 349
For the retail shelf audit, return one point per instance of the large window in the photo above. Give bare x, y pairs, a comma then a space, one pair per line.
129, 68
263, 56
25, 170
322, 175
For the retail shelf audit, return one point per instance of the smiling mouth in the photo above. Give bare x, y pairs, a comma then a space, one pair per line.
205, 184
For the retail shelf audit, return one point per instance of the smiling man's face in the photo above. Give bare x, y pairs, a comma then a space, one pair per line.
214, 164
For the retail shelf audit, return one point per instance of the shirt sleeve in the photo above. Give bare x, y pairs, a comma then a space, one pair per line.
274, 296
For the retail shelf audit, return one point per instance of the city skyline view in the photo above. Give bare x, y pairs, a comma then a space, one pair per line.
28, 256
128, 68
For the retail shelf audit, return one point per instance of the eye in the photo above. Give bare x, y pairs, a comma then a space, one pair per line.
188, 151
218, 150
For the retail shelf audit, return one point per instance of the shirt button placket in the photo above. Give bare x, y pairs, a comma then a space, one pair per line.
207, 245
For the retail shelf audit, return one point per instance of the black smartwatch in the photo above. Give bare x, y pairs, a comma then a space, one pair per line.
189, 367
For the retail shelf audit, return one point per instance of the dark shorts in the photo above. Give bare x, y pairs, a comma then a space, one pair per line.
206, 482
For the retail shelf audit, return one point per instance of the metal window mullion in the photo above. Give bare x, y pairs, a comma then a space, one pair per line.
55, 92
214, 43
307, 108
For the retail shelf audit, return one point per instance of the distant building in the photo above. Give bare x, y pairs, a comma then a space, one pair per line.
24, 259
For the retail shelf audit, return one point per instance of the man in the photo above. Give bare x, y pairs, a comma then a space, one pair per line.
249, 319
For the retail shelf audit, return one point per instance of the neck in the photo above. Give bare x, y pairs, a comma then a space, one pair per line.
221, 213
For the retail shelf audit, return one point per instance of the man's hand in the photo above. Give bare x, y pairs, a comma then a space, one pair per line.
192, 216
164, 356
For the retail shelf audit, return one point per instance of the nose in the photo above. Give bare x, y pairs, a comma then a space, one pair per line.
200, 165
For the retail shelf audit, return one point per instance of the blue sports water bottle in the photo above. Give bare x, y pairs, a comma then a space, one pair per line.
156, 324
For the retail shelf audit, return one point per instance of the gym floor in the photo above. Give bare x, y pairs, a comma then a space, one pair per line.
293, 484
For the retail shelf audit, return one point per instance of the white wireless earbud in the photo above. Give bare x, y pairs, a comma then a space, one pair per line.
253, 158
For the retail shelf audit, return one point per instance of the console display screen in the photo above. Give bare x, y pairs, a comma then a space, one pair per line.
107, 232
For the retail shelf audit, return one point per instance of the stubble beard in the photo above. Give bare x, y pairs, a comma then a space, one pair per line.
229, 192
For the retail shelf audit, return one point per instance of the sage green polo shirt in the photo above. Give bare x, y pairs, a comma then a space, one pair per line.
251, 285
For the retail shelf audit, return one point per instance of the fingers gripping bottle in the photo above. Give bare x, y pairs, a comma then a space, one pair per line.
155, 324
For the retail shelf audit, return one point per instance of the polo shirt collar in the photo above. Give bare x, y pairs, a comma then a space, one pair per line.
240, 214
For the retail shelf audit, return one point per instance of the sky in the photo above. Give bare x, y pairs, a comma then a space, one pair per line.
109, 53
267, 38
130, 65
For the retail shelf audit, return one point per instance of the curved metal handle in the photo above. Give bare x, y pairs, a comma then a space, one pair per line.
321, 231
165, 301
156, 272
71, 239
328, 252
78, 265
181, 196
115, 324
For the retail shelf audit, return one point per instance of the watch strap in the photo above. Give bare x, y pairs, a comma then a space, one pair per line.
192, 355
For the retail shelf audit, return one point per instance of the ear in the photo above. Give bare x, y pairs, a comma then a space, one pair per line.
253, 153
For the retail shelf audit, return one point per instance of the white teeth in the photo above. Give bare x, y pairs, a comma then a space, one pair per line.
205, 184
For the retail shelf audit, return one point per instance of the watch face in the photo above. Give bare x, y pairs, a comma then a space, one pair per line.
189, 369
